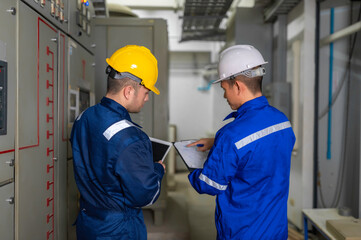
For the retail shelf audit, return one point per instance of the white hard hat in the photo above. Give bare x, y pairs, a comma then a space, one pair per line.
236, 60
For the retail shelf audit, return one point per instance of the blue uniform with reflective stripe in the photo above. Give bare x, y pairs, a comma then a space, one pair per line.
114, 172
248, 169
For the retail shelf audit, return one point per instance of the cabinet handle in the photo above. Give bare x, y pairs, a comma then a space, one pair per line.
11, 162
11, 10
10, 200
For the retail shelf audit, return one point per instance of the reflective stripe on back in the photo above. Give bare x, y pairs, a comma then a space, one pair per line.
116, 127
212, 183
262, 133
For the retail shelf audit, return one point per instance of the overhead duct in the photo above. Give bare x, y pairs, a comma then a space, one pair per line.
202, 19
118, 10
279, 7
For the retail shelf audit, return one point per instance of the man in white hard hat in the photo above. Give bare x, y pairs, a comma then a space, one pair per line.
248, 165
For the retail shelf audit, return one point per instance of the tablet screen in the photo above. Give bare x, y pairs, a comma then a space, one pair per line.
160, 149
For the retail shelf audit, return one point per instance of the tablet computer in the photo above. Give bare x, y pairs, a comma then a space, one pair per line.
192, 158
160, 149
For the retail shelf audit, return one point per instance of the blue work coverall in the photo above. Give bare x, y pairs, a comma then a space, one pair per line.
248, 170
114, 172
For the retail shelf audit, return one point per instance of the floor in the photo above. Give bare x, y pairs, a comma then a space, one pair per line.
189, 215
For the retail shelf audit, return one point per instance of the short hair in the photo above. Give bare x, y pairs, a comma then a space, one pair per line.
254, 85
115, 85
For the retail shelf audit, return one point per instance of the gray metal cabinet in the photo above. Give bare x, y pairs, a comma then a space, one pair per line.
40, 168
7, 118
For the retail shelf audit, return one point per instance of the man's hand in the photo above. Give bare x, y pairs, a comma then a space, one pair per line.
160, 162
204, 144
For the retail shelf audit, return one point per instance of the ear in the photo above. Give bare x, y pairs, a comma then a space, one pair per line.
127, 91
239, 87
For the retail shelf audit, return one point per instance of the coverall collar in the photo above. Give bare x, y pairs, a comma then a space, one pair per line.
251, 104
118, 108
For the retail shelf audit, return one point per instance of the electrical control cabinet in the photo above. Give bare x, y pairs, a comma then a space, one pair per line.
47, 54
55, 11
81, 24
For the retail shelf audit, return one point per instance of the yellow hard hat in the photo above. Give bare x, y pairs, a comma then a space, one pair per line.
138, 61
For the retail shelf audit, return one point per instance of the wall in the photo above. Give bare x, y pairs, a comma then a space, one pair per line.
196, 113
339, 158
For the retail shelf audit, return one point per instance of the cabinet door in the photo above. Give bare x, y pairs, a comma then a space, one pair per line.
35, 195
7, 90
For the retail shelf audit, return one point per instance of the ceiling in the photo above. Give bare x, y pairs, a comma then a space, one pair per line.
203, 19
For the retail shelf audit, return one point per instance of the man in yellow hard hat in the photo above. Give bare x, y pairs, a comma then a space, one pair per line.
113, 160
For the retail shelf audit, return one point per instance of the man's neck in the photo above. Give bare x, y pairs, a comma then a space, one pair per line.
118, 99
250, 97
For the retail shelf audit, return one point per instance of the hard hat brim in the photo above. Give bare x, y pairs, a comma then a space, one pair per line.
153, 89
219, 80
228, 78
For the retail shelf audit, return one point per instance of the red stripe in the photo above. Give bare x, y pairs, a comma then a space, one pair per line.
7, 151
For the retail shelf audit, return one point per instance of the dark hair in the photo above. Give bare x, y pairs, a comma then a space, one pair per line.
254, 85
115, 85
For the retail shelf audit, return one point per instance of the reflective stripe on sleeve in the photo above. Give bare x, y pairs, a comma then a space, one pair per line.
78, 118
155, 195
212, 183
262, 133
116, 127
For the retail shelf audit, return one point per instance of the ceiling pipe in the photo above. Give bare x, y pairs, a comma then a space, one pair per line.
341, 34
